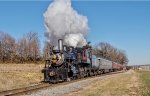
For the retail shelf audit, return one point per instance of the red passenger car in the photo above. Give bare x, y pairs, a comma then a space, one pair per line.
116, 66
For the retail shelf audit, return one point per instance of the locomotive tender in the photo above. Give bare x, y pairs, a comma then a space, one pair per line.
68, 63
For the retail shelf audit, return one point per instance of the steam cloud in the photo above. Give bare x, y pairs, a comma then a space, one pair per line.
63, 22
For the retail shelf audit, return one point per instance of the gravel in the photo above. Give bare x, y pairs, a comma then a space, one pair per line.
71, 87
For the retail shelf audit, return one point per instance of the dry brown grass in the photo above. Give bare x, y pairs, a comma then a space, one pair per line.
21, 67
126, 84
19, 75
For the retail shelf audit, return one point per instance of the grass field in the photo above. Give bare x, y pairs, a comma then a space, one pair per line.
125, 84
19, 75
145, 78
131, 83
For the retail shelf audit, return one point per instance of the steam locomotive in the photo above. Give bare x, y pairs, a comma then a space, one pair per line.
69, 63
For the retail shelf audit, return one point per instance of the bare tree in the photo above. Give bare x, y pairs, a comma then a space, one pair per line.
29, 47
47, 49
1, 53
26, 49
107, 51
22, 50
33, 46
7, 47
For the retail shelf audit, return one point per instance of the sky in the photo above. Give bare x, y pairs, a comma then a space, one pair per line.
123, 24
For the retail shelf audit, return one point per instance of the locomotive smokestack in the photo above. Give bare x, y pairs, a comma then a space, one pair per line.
60, 44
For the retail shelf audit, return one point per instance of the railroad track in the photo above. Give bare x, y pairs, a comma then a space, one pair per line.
22, 90
34, 88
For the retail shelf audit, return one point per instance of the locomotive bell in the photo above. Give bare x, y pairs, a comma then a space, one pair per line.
60, 44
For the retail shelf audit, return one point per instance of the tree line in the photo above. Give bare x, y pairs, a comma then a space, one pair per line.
27, 50
109, 52
24, 50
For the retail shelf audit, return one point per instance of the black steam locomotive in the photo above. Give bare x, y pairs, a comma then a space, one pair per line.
67, 63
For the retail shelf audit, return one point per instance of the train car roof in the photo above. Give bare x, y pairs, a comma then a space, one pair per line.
102, 58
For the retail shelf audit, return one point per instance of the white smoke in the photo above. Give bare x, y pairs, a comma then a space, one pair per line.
63, 22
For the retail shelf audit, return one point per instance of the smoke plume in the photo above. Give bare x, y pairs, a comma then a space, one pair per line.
63, 22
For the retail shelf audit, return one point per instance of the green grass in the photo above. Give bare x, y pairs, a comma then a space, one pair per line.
145, 77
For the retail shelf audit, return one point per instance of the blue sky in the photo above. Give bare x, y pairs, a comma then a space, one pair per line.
124, 24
